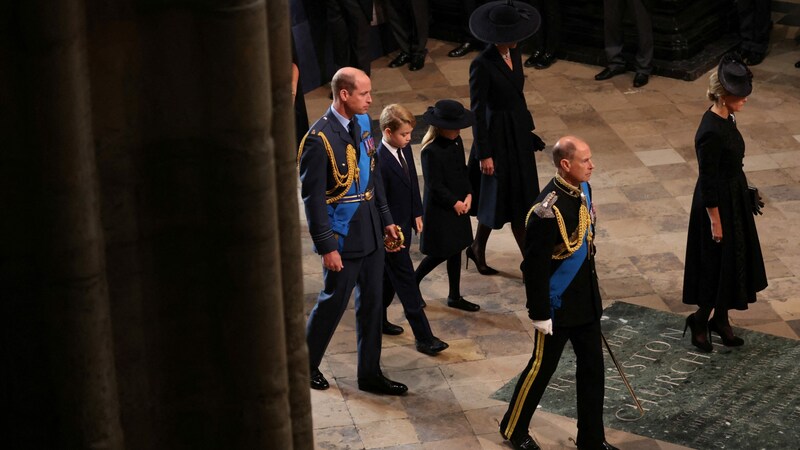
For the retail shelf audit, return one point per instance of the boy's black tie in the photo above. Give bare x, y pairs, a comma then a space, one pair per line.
402, 161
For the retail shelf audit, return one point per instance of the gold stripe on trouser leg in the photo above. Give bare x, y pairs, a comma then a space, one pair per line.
523, 392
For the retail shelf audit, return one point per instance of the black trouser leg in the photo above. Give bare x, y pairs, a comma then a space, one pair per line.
589, 380
533, 381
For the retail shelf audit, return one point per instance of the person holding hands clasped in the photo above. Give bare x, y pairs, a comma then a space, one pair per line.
447, 229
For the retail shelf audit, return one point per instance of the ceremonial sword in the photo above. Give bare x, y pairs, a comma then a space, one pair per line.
624, 380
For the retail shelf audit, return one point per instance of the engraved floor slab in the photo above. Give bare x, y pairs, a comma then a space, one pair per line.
732, 398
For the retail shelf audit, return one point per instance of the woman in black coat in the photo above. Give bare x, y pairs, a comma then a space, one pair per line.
447, 197
502, 163
724, 266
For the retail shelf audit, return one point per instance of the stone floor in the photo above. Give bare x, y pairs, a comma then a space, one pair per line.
642, 141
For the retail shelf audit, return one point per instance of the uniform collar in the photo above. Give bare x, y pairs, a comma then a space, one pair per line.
342, 119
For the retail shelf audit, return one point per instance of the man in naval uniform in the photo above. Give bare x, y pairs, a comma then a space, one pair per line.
563, 299
347, 215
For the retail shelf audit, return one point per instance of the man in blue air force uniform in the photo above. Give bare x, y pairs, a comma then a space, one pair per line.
563, 299
347, 214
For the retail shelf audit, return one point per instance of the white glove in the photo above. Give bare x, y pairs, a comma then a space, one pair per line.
545, 326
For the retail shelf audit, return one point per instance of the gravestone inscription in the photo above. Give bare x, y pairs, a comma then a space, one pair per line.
733, 398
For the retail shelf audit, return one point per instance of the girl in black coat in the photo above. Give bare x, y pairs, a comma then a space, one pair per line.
724, 265
446, 226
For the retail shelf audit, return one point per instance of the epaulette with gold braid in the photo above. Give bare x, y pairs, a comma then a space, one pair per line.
543, 209
341, 183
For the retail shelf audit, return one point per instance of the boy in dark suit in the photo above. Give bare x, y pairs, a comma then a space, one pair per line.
402, 194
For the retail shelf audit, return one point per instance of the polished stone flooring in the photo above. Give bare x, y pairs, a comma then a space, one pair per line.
642, 141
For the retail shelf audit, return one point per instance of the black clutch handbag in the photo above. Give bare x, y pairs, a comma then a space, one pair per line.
755, 200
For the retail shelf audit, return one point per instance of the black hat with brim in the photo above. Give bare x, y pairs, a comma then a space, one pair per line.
734, 75
448, 115
504, 22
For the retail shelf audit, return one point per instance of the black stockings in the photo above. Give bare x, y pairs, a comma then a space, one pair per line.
453, 271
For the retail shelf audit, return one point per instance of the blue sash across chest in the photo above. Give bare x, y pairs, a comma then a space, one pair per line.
565, 273
340, 213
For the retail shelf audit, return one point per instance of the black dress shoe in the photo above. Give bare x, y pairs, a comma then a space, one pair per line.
379, 384
318, 381
609, 72
391, 329
433, 347
524, 443
417, 62
604, 446
752, 58
535, 56
460, 303
461, 50
640, 79
400, 60
540, 60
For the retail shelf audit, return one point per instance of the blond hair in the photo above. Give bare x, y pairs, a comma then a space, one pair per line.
393, 116
715, 90
430, 135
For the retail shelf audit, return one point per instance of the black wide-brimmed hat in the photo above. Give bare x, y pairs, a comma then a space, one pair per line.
734, 76
504, 21
448, 115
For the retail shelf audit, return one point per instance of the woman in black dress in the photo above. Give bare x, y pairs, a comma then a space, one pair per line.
502, 163
446, 200
724, 266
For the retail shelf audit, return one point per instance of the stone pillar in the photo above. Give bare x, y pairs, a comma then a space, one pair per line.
71, 324
142, 187
285, 157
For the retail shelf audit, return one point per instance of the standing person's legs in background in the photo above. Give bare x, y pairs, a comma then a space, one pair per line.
644, 51
755, 24
546, 41
468, 43
349, 31
409, 23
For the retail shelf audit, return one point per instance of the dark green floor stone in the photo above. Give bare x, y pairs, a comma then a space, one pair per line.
733, 398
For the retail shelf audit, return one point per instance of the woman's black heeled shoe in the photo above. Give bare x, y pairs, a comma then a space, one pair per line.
726, 333
483, 269
700, 336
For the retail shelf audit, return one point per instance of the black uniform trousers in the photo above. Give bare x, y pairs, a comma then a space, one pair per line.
365, 275
613, 10
548, 38
399, 277
349, 30
409, 22
547, 349
755, 23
